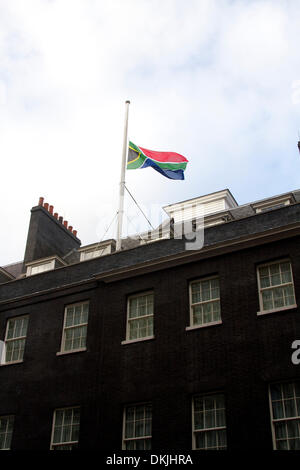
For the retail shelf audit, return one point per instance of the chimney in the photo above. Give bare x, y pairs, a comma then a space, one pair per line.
48, 235
299, 146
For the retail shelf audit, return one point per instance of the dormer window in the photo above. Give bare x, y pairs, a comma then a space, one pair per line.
273, 203
40, 268
89, 254
43, 265
96, 250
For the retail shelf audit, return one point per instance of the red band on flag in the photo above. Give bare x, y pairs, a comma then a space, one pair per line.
164, 156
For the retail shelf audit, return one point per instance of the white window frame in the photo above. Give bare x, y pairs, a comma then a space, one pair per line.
54, 445
277, 420
134, 439
46, 266
92, 253
8, 340
261, 289
6, 432
193, 326
197, 431
145, 338
65, 328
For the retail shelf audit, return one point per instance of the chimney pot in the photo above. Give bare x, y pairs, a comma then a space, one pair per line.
60, 219
46, 206
56, 215
51, 210
70, 228
74, 233
41, 201
66, 223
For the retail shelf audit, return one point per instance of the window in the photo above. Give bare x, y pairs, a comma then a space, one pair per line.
75, 327
276, 288
209, 427
140, 317
95, 252
15, 337
273, 203
44, 265
40, 268
65, 432
205, 302
137, 427
6, 430
285, 414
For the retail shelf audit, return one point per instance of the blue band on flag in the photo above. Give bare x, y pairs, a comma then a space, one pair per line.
171, 174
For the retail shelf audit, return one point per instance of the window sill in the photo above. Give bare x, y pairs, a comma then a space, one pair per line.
72, 351
206, 325
11, 363
137, 340
274, 310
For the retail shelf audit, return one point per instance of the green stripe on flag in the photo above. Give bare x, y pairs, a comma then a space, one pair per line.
135, 158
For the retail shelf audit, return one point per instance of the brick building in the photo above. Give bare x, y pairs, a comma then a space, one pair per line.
155, 346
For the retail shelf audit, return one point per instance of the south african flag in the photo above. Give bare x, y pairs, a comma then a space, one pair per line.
169, 164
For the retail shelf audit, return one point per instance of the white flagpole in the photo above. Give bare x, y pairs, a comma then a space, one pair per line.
122, 179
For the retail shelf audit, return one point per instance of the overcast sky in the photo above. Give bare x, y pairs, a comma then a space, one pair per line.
215, 80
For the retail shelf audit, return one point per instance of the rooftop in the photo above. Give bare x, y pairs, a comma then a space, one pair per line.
56, 258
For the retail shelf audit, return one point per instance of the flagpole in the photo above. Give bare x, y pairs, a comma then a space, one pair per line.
122, 179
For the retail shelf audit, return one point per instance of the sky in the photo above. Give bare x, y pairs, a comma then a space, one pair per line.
217, 81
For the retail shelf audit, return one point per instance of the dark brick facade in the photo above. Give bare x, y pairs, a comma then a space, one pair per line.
239, 357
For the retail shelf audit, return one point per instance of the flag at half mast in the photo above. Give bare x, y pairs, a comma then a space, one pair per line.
169, 164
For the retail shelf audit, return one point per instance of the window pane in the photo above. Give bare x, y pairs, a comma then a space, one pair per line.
69, 316
196, 296
197, 315
129, 429
267, 299
289, 407
282, 445
222, 440
199, 420
278, 409
288, 390
207, 313
211, 439
209, 419
220, 417
293, 428
280, 430
200, 440
286, 276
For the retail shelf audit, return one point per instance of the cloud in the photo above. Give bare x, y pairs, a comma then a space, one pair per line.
214, 80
